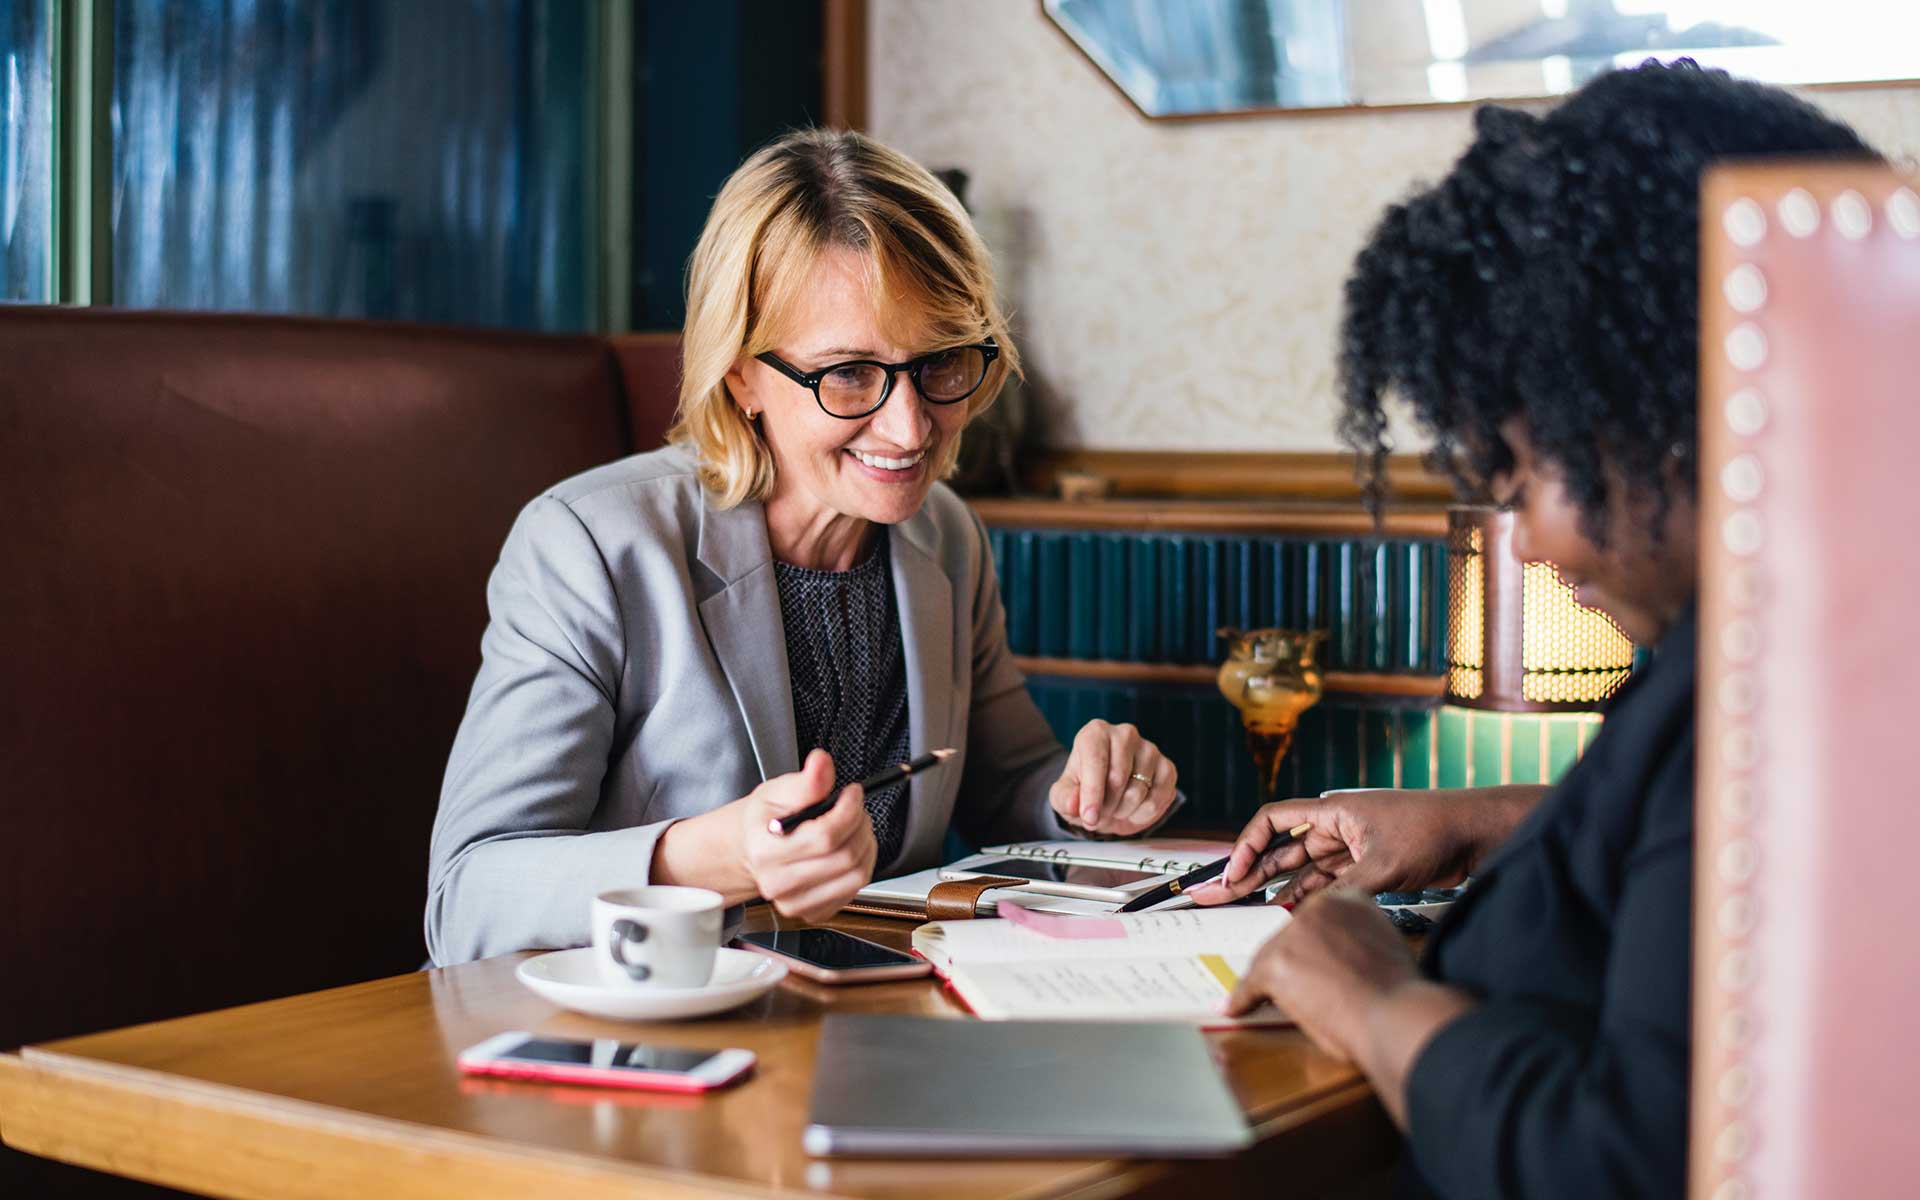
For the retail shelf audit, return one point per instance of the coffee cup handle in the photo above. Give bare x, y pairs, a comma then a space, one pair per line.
625, 931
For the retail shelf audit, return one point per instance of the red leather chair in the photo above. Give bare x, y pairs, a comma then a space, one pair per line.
1806, 983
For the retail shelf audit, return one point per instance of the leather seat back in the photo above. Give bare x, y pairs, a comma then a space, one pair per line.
242, 589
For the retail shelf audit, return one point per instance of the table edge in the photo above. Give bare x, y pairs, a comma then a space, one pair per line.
370, 1133
42, 1082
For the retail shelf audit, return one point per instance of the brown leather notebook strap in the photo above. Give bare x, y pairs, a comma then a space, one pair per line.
958, 899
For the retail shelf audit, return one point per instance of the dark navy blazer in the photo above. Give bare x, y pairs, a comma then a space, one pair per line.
1570, 1079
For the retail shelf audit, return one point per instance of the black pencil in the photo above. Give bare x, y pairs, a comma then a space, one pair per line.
1201, 874
879, 779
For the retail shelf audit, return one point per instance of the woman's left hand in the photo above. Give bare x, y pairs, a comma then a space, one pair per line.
1329, 969
1116, 781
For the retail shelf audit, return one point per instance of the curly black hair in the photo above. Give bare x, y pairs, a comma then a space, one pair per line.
1553, 275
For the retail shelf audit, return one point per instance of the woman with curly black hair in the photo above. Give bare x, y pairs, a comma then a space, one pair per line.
1537, 309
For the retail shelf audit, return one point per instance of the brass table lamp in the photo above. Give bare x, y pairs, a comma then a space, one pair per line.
1270, 675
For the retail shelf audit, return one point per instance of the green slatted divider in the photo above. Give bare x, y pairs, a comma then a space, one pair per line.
1159, 597
1156, 598
1341, 743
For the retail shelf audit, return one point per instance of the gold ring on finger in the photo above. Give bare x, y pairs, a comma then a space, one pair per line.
1142, 778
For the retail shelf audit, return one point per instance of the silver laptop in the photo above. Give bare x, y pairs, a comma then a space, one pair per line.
929, 1087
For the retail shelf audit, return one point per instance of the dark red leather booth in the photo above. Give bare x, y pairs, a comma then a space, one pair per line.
241, 596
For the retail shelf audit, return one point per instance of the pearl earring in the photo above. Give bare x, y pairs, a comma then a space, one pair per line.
753, 414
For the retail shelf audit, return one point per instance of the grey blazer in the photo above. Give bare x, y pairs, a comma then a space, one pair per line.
635, 672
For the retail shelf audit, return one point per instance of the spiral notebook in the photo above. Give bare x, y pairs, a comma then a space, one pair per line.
905, 896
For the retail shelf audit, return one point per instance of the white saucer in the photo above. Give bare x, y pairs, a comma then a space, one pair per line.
570, 979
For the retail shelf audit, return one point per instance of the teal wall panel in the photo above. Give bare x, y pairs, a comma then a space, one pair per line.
1161, 597
1142, 602
1380, 747
1454, 749
1526, 762
1563, 746
1416, 747
1343, 748
1050, 594
1016, 590
1485, 739
1109, 598
1340, 743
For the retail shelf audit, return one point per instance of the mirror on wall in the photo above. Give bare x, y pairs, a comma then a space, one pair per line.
1217, 57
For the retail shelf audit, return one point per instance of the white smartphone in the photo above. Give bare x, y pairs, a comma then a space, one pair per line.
834, 957
1115, 885
606, 1062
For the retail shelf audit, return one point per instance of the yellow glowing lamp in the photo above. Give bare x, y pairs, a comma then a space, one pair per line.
1516, 639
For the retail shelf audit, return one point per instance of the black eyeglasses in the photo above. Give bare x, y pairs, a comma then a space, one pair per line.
857, 388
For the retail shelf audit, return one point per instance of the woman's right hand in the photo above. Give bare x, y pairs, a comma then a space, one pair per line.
811, 873
1378, 840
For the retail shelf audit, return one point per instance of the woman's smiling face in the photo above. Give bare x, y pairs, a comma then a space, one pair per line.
1643, 583
878, 468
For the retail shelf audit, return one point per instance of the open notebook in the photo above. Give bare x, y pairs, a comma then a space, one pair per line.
1155, 859
1159, 966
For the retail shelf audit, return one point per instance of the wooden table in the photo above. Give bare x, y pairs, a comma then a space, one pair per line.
354, 1092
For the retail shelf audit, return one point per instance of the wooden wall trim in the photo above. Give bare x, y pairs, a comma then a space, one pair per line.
1252, 519
1235, 475
1335, 683
844, 64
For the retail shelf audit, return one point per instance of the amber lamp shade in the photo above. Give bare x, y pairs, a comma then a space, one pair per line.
1516, 639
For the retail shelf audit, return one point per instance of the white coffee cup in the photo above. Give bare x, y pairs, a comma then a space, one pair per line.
656, 937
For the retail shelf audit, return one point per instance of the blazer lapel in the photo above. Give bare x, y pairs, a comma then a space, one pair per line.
925, 598
743, 625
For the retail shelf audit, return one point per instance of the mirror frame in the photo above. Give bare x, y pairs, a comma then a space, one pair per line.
1538, 98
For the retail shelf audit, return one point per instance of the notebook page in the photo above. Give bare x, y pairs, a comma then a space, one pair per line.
1184, 988
1235, 932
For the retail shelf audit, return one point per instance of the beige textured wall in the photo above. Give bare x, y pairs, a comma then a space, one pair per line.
1177, 285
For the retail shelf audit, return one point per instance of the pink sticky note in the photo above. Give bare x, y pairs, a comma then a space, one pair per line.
1061, 925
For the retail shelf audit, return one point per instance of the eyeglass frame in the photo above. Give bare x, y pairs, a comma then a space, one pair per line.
810, 380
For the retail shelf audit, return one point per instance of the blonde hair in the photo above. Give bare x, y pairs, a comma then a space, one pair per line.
811, 191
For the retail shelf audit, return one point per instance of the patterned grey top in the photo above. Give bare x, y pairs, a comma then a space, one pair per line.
850, 678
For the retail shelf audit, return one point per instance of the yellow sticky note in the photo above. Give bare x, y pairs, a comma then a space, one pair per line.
1217, 967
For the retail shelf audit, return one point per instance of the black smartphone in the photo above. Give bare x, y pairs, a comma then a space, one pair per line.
834, 957
1043, 871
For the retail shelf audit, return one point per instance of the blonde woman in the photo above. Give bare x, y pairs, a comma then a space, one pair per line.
687, 643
